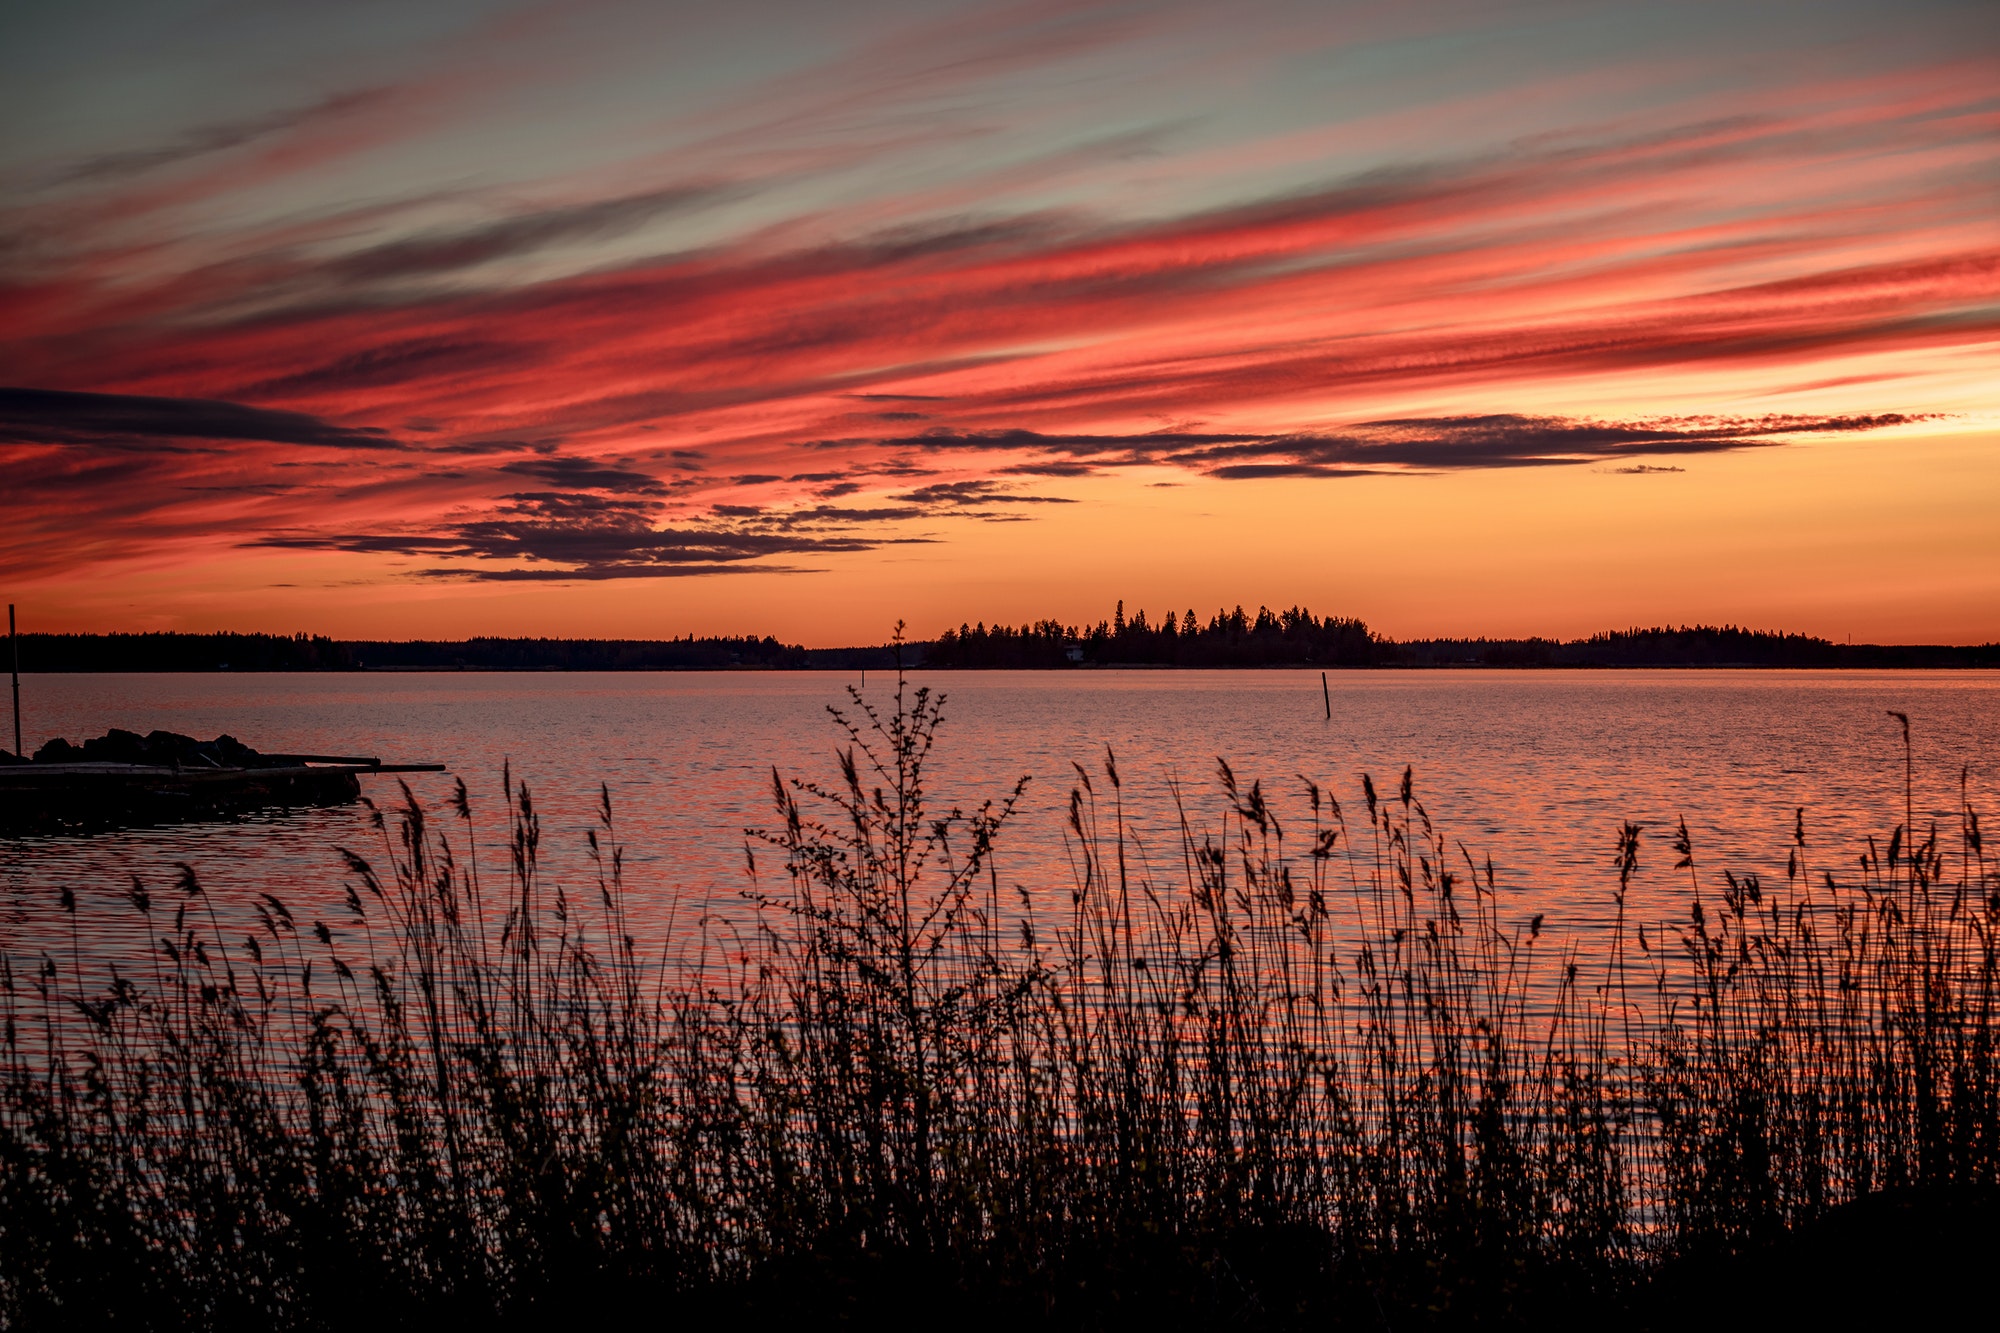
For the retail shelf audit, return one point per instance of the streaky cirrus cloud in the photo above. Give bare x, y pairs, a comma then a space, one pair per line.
202, 141
47, 416
600, 521
1406, 444
870, 286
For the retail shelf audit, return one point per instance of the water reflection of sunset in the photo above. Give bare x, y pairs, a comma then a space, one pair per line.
1534, 771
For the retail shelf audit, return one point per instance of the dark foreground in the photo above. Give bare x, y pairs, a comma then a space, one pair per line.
1901, 1258
1907, 1257
1319, 1080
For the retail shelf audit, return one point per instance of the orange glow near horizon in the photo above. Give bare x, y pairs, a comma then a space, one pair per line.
1000, 315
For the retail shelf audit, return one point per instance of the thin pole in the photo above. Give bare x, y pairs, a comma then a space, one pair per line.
15, 644
1327, 695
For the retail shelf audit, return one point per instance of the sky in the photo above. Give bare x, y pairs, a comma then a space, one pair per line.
638, 319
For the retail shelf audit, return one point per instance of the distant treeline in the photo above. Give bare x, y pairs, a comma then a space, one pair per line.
1684, 646
300, 652
1228, 639
1295, 637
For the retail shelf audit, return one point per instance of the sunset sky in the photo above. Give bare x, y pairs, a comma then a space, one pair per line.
601, 319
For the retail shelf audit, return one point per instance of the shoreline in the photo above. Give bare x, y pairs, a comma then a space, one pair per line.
1554, 668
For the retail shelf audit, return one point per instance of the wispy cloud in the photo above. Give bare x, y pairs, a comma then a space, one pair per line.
975, 493
579, 538
205, 140
400, 362
581, 472
443, 252
49, 416
800, 316
1426, 444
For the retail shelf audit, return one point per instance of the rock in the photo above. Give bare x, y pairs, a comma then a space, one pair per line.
161, 749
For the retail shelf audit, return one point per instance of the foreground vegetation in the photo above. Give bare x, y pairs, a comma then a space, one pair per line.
1316, 1075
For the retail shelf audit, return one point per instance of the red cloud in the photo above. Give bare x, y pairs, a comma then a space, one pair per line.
1755, 242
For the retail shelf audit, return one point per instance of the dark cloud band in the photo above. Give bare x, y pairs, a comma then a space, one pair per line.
1425, 444
52, 416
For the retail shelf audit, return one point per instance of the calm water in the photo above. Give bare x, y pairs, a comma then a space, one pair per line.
1534, 769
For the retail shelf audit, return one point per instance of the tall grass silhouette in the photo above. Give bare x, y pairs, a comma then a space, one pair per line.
1316, 1070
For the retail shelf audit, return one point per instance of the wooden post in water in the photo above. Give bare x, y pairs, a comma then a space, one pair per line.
15, 672
1327, 695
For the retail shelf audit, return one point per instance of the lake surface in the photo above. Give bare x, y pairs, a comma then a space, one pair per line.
1535, 769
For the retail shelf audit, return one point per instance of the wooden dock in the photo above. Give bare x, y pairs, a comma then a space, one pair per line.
51, 798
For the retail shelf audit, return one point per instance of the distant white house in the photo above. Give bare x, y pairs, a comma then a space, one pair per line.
1074, 653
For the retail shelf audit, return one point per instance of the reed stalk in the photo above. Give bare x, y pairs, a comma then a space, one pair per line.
1314, 1068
